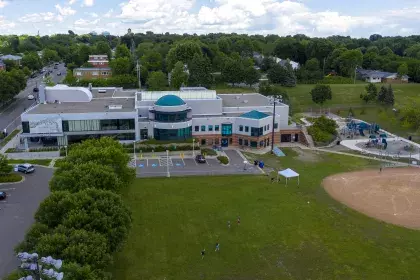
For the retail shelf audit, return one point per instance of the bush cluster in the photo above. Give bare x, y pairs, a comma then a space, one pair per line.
223, 159
323, 130
157, 148
34, 150
84, 220
208, 152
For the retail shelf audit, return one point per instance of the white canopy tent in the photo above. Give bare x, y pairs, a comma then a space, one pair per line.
288, 173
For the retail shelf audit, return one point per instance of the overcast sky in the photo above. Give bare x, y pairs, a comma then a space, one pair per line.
357, 18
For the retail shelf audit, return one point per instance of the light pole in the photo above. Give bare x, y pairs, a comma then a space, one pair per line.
193, 147
355, 68
167, 164
134, 154
31, 264
245, 163
275, 98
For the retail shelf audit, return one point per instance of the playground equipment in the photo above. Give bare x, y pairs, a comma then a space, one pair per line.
375, 142
353, 128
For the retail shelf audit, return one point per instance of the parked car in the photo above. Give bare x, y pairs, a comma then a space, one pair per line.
31, 97
26, 168
3, 195
59, 74
200, 159
55, 67
36, 89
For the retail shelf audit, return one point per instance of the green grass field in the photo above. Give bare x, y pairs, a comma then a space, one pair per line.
44, 162
281, 235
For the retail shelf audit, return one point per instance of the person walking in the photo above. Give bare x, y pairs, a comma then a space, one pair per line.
217, 247
239, 221
203, 253
228, 224
380, 169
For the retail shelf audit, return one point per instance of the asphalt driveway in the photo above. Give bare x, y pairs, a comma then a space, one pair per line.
17, 213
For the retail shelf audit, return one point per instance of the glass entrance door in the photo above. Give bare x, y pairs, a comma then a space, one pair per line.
225, 142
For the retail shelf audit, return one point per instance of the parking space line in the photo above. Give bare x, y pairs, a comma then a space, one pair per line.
147, 162
9, 189
195, 162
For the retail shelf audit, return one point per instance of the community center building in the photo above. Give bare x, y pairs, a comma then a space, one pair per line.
66, 115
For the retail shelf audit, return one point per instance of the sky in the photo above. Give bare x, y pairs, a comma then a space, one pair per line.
315, 18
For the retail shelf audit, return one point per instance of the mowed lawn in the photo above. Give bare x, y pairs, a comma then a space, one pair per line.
285, 232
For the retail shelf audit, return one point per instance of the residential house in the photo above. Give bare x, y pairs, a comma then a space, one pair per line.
16, 58
282, 62
99, 60
375, 76
92, 73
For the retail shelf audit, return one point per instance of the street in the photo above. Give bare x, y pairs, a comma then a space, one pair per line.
10, 116
17, 213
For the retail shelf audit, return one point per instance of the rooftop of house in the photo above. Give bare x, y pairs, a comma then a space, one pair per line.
376, 73
96, 105
11, 57
112, 92
92, 69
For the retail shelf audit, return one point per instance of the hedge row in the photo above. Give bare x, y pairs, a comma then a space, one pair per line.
223, 159
84, 221
34, 150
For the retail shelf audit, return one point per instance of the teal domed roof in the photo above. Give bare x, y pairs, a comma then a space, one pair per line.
169, 100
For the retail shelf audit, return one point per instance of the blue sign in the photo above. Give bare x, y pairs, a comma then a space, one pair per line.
154, 165
141, 165
178, 164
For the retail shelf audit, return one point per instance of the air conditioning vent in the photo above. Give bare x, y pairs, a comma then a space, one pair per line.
114, 107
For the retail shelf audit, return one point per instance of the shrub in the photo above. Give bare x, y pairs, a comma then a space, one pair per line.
223, 159
208, 152
323, 130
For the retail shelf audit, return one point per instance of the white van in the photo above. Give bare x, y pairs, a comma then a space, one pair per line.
101, 90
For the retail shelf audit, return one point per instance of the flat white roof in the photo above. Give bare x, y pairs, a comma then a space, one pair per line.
185, 95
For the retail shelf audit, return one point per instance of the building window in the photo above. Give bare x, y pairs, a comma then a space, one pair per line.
246, 142
210, 128
65, 125
240, 141
241, 128
254, 144
171, 116
255, 131
246, 128
276, 125
226, 129
216, 128
144, 134
173, 134
117, 124
78, 73
261, 143
196, 128
203, 141
268, 127
203, 128
25, 127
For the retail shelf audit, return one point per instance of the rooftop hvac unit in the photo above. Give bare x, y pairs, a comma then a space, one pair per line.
114, 107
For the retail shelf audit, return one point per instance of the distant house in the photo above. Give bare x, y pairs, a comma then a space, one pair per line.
375, 76
92, 73
257, 57
282, 62
2, 66
105, 33
16, 58
99, 60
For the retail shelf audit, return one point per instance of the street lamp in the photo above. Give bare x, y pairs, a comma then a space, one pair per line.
193, 146
32, 264
65, 147
167, 164
275, 99
245, 163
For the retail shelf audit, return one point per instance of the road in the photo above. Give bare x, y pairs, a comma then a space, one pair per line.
17, 213
10, 116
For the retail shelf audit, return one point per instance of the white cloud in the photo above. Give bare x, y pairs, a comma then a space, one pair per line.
71, 2
65, 11
109, 13
86, 23
3, 3
153, 9
41, 17
6, 25
88, 3
94, 15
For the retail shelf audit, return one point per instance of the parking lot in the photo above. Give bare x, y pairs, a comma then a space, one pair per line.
17, 213
176, 166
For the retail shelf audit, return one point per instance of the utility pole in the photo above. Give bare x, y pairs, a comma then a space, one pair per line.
355, 68
138, 67
272, 131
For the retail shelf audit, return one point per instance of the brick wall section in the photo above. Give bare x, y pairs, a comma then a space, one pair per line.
215, 139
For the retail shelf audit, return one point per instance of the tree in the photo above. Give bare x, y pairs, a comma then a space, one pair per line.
49, 56
32, 61
382, 94
224, 45
5, 168
93, 210
157, 81
348, 61
144, 48
75, 271
122, 52
289, 77
152, 60
371, 93
233, 71
267, 63
182, 52
402, 70
200, 71
70, 80
121, 66
74, 178
389, 97
178, 76
105, 151
103, 48
251, 76
321, 93
276, 74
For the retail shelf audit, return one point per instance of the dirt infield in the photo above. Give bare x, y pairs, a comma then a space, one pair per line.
392, 195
